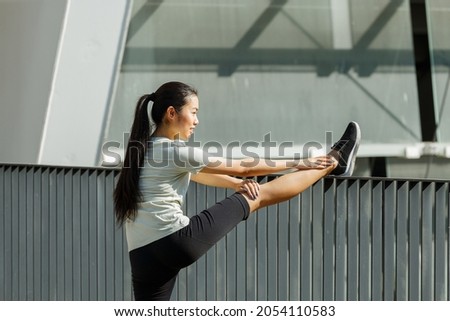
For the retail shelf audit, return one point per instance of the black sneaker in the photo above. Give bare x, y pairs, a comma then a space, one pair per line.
345, 149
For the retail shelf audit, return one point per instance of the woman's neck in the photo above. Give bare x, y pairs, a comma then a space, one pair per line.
165, 132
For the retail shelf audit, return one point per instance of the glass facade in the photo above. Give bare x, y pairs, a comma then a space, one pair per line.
289, 71
439, 33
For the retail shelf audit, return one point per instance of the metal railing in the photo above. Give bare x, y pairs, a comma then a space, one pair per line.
342, 239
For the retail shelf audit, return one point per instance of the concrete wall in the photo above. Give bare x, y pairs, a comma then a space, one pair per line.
29, 37
57, 74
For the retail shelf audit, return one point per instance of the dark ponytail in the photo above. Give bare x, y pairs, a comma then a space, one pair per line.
127, 194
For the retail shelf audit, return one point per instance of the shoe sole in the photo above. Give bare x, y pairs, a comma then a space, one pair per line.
349, 170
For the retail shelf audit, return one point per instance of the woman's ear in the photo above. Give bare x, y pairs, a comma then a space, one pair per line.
171, 113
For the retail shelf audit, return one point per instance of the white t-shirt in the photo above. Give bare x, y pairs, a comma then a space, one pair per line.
164, 180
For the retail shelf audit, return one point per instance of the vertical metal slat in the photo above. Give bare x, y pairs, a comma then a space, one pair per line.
2, 235
427, 246
365, 246
389, 226
414, 241
377, 241
318, 241
307, 247
353, 241
329, 242
283, 251
294, 249
402, 242
442, 236
341, 240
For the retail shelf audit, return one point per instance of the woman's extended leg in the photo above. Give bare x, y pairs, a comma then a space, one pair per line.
286, 187
290, 185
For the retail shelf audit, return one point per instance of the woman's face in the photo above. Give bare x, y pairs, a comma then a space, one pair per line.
187, 119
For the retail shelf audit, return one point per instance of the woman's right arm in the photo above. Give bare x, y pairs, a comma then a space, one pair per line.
249, 167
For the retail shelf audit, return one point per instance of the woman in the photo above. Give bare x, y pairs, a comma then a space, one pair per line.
155, 176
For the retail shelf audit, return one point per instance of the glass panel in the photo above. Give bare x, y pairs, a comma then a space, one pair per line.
289, 69
426, 167
439, 35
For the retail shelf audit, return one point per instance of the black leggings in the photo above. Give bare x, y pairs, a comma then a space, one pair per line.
155, 266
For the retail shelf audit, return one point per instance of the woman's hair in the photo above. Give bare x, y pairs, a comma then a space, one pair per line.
127, 194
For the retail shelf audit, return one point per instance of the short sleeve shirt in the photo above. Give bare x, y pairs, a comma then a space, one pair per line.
164, 180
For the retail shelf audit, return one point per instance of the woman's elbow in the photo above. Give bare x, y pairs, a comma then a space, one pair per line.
243, 170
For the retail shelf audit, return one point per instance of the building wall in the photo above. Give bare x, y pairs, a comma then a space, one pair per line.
294, 72
29, 35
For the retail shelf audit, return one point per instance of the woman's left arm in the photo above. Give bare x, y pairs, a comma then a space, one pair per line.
251, 187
